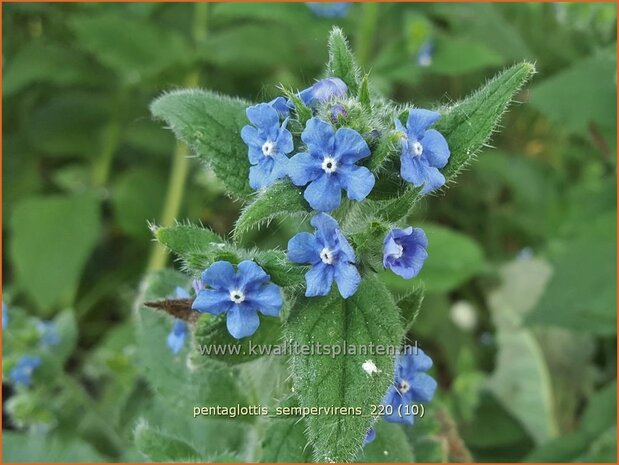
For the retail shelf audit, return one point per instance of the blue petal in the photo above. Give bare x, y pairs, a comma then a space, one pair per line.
280, 166
324, 194
414, 236
212, 301
390, 249
350, 146
395, 399
263, 174
410, 264
357, 181
250, 276
242, 321
303, 168
303, 248
255, 155
327, 88
412, 361
417, 172
399, 126
345, 247
324, 221
435, 148
284, 143
181, 293
319, 280
319, 137
220, 275
263, 116
419, 120
251, 136
280, 104
175, 341
370, 436
347, 278
267, 299
422, 387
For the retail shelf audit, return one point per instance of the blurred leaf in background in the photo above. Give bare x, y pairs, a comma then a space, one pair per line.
520, 306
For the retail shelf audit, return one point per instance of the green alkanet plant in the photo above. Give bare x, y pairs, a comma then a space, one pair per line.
292, 158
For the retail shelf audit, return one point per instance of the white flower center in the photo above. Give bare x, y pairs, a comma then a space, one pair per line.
329, 165
404, 386
400, 251
417, 149
326, 256
237, 296
268, 148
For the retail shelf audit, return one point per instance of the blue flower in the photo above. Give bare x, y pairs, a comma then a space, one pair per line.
268, 144
329, 9
329, 165
405, 252
240, 294
369, 436
410, 385
21, 373
181, 293
323, 91
177, 336
330, 255
424, 150
424, 54
48, 333
282, 106
5, 315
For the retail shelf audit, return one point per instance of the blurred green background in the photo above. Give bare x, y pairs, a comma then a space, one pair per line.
520, 314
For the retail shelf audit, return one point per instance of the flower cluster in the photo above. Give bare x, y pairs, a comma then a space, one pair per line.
328, 162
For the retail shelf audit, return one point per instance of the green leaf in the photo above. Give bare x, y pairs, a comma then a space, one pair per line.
137, 199
162, 447
453, 258
580, 295
281, 200
32, 448
51, 239
468, 124
410, 305
186, 238
390, 445
459, 55
285, 441
211, 125
521, 380
45, 62
78, 132
342, 62
579, 96
364, 93
325, 381
212, 333
135, 48
67, 332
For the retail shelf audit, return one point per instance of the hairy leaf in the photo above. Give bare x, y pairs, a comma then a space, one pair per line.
212, 334
285, 441
369, 316
342, 63
390, 445
211, 125
185, 238
281, 200
161, 447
